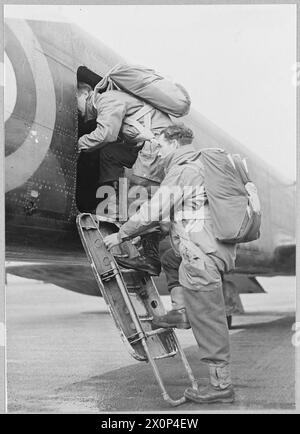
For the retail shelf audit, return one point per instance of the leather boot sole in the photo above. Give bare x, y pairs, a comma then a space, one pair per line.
190, 395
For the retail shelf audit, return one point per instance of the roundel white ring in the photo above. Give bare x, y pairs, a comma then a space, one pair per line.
23, 163
10, 88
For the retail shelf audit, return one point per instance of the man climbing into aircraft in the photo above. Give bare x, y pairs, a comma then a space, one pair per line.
112, 109
204, 259
123, 144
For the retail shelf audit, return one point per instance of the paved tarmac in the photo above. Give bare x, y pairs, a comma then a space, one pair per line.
65, 355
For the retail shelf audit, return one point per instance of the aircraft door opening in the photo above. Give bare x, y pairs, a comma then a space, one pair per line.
88, 162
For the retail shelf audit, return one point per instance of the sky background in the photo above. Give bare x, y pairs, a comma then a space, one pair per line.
236, 61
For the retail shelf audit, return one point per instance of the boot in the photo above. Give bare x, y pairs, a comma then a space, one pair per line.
219, 390
177, 317
148, 261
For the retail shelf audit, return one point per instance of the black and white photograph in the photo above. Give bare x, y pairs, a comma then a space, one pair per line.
149, 211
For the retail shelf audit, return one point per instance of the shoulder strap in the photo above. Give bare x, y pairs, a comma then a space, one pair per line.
144, 112
146, 109
241, 168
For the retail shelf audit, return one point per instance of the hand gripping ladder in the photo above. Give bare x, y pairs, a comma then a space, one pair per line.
133, 301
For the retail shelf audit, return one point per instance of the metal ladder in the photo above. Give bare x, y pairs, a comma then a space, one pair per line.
133, 301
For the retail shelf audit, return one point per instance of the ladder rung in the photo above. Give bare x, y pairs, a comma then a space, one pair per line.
166, 356
109, 274
135, 338
88, 228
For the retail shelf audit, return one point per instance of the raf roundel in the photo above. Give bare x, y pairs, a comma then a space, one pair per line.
25, 155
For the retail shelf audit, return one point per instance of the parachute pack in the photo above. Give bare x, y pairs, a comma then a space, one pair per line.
158, 94
144, 83
233, 198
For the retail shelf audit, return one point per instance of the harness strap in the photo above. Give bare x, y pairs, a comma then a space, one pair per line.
241, 169
145, 113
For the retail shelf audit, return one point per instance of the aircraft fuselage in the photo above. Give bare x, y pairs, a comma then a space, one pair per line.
41, 133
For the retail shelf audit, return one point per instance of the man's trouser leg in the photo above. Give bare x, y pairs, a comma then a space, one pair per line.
206, 313
112, 160
147, 174
171, 263
148, 261
204, 302
177, 317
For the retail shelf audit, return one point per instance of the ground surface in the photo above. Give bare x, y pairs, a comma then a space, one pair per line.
65, 354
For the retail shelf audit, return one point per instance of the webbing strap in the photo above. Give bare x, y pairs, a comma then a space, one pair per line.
144, 112
241, 169
107, 83
146, 109
135, 124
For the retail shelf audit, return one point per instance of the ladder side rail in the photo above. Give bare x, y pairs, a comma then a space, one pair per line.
131, 351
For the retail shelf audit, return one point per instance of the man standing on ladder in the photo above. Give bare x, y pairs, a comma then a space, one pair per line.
204, 259
125, 126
